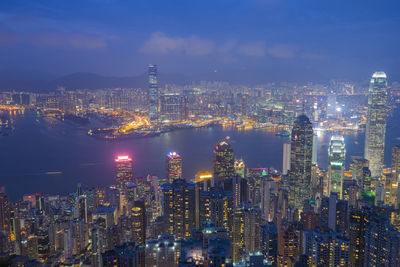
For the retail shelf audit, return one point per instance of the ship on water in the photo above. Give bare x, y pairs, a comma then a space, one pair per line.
283, 133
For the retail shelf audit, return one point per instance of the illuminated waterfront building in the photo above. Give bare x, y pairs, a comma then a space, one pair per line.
376, 123
173, 164
153, 93
123, 170
179, 207
239, 167
223, 161
299, 186
396, 163
170, 107
336, 163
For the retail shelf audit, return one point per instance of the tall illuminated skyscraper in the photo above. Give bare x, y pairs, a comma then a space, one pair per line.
138, 213
153, 92
376, 123
123, 170
396, 163
336, 163
300, 162
179, 207
245, 230
286, 158
173, 164
223, 161
315, 150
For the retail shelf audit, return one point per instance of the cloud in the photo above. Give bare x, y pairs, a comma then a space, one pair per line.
256, 49
227, 47
225, 51
162, 44
282, 51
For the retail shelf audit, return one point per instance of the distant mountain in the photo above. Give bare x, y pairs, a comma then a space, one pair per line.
41, 82
83, 80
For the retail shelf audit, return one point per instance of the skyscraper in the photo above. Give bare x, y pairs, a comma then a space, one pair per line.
138, 214
357, 168
170, 107
396, 163
358, 220
123, 170
300, 162
315, 150
179, 207
4, 212
286, 158
336, 163
376, 123
153, 93
223, 161
382, 242
216, 205
245, 230
173, 164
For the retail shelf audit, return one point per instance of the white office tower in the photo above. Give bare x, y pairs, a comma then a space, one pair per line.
376, 124
286, 158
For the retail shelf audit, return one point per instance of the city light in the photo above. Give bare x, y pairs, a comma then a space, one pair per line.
123, 158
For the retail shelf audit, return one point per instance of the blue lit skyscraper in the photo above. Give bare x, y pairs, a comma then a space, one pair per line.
153, 92
336, 163
376, 123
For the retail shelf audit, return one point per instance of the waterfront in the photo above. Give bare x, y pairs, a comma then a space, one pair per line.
50, 156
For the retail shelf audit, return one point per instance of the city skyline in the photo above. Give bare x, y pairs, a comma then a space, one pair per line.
226, 133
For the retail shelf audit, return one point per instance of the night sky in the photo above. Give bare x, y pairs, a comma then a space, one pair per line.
286, 38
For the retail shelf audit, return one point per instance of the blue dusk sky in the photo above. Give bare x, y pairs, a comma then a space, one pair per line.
345, 39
